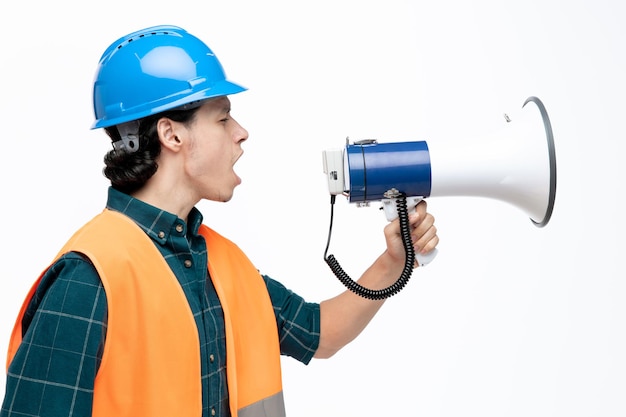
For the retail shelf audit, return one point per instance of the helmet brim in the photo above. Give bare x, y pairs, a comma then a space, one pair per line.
218, 89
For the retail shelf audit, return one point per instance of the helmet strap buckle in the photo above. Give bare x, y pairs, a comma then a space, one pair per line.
129, 137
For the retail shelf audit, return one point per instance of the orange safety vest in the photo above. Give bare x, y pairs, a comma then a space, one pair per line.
151, 361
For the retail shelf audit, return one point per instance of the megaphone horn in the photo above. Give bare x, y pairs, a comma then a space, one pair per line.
516, 165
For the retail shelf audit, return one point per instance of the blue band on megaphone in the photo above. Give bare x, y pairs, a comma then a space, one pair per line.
375, 168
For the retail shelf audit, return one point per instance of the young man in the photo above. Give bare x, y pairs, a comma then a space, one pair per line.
148, 312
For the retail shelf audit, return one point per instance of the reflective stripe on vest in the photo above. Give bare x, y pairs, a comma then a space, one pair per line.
151, 360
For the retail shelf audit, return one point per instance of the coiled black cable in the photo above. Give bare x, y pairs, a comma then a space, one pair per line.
404, 277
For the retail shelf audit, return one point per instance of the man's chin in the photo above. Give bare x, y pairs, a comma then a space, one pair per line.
227, 197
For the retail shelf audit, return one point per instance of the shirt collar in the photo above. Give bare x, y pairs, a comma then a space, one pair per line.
157, 223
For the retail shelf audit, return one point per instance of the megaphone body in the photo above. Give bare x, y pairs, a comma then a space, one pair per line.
516, 165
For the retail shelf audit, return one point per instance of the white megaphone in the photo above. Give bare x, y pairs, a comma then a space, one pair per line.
517, 165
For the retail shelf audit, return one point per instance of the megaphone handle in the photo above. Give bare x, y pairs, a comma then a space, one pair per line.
391, 212
424, 259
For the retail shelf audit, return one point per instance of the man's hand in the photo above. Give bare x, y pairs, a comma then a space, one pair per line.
423, 234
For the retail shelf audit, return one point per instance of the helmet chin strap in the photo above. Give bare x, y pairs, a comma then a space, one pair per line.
130, 137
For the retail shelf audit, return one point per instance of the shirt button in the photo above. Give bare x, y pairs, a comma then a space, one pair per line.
179, 228
161, 235
187, 263
212, 358
212, 411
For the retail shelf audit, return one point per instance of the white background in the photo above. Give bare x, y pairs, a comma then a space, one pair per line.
510, 319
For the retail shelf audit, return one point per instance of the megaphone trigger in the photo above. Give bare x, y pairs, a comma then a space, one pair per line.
389, 206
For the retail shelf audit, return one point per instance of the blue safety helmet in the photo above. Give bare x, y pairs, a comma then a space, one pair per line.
153, 70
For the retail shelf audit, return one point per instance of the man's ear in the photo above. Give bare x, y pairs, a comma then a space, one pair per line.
168, 131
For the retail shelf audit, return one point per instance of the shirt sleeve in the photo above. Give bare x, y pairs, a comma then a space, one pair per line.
53, 371
298, 322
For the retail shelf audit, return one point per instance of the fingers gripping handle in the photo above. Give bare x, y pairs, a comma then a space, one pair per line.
391, 213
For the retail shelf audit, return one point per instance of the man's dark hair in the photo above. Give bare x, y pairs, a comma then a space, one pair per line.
129, 171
